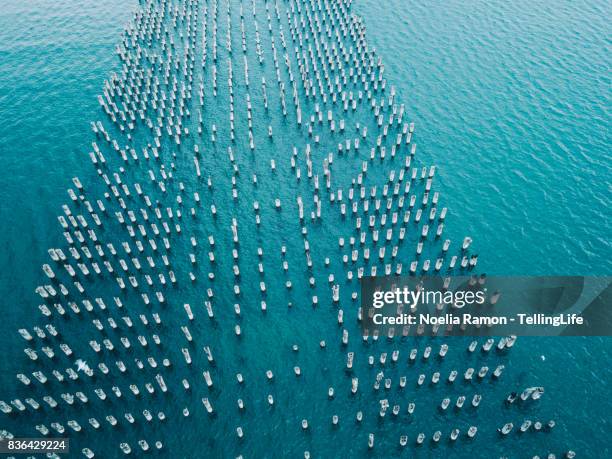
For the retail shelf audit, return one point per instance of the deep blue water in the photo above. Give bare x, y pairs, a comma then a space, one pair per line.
511, 102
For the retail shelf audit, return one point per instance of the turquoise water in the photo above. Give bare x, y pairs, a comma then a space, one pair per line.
54, 58
511, 104
512, 100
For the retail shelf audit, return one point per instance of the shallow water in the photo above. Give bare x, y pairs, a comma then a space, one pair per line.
55, 59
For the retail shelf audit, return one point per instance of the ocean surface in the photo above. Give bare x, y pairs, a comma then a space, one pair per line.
511, 102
